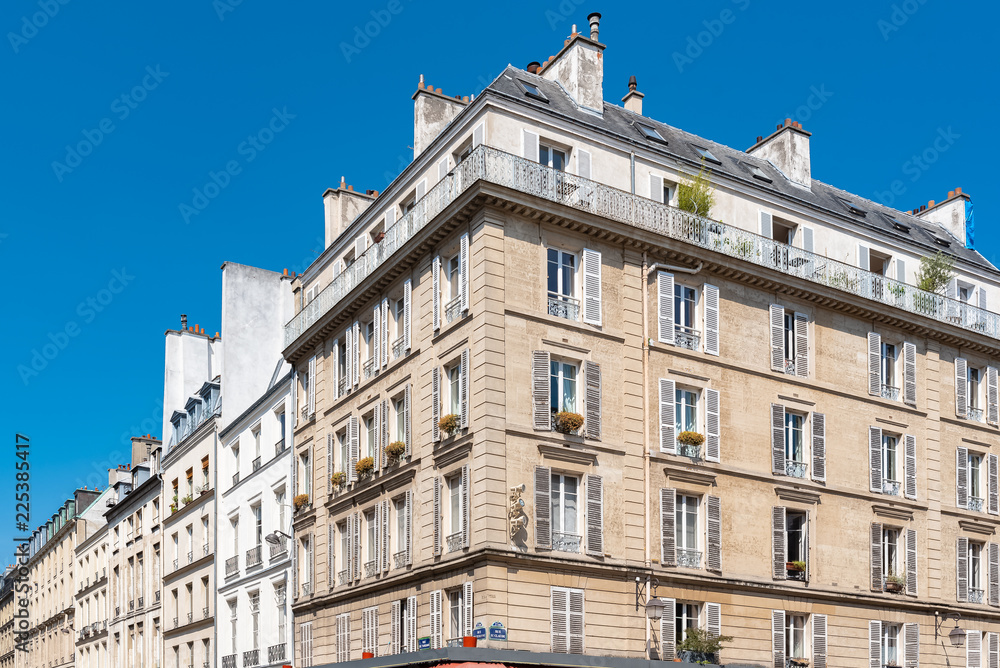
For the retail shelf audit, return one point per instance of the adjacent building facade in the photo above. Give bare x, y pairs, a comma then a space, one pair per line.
8, 603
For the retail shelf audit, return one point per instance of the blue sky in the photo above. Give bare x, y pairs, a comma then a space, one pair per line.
101, 258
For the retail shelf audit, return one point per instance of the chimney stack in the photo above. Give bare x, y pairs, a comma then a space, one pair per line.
788, 150
953, 214
595, 25
579, 68
633, 101
184, 321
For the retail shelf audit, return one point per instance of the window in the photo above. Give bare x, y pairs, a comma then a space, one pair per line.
789, 340
279, 601
562, 387
255, 619
650, 132
305, 474
567, 620
686, 415
552, 157
235, 524
974, 387
975, 573
454, 375
890, 464
399, 410
561, 284
370, 446
305, 566
279, 501
256, 445
455, 613
686, 531
344, 381
685, 617
890, 386
975, 481
258, 525
796, 527
891, 548
890, 644
233, 624
707, 155
399, 317
565, 491
531, 90
401, 536
371, 544
452, 276
685, 314
757, 172
368, 332
795, 461
455, 505
795, 636
345, 550
345, 450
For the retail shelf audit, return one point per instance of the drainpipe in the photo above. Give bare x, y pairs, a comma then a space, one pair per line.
645, 414
632, 157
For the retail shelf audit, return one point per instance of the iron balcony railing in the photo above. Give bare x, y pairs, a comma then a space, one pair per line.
688, 558
205, 549
976, 503
175, 564
229, 661
190, 556
368, 368
565, 542
890, 487
398, 347
975, 595
190, 617
232, 566
253, 556
138, 603
204, 612
342, 386
236, 478
371, 568
453, 309
278, 548
891, 393
527, 176
795, 469
256, 464
276, 653
399, 559
307, 588
279, 447
455, 541
250, 658
562, 306
977, 414
688, 450
342, 577
685, 337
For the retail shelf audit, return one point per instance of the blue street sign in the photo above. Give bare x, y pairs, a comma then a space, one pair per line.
479, 632
497, 631
424, 643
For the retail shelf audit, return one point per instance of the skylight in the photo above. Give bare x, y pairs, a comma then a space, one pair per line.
650, 133
757, 172
531, 90
942, 241
900, 226
707, 155
852, 208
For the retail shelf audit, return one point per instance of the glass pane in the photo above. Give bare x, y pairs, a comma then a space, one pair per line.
558, 160
569, 498
568, 270
569, 388
543, 155
553, 270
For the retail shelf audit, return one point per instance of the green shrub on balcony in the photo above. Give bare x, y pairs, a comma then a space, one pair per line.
365, 467
567, 422
695, 194
395, 451
449, 424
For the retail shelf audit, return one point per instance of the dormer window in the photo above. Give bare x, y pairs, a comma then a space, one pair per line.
650, 133
707, 155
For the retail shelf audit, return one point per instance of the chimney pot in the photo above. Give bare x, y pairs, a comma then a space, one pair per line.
632, 83
438, 91
788, 122
351, 188
595, 25
923, 207
759, 139
951, 193
573, 31
930, 204
420, 85
533, 66
184, 321
958, 191
778, 127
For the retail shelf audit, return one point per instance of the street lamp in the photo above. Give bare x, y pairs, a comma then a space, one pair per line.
956, 635
654, 609
274, 538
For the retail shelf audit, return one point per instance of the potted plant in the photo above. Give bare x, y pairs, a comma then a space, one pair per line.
300, 501
795, 566
449, 424
365, 467
895, 582
699, 645
395, 451
798, 661
338, 479
691, 442
567, 422
187, 499
173, 507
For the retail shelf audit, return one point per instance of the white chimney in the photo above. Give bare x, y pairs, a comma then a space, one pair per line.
788, 150
579, 67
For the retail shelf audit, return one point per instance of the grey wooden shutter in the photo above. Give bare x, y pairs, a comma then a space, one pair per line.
981, 294
329, 464
463, 268
541, 413
992, 650
377, 428
711, 320
901, 270
992, 410
349, 555
409, 526
354, 446
437, 632
331, 557
406, 421
819, 640
874, 364
464, 387
376, 337
411, 613
442, 169
911, 562
407, 311
357, 546
668, 644
875, 458
713, 618
560, 620
576, 627
591, 287
801, 345
874, 644
384, 360
910, 466
778, 638
436, 289
665, 307
962, 569
876, 556
348, 366
437, 516
530, 146
395, 636
384, 431
312, 386
712, 412
807, 239
777, 439
765, 225
592, 381
435, 404
335, 363
379, 547
819, 447
911, 644
356, 353
993, 502
583, 163
656, 188
778, 546
864, 261
466, 519
467, 611
993, 559
543, 507
961, 388
668, 537
777, 337
962, 477
668, 426
386, 536
595, 515
973, 649
714, 530
479, 134
421, 189
910, 374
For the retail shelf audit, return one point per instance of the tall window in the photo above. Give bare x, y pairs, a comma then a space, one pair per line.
454, 389
795, 636
255, 619
686, 531
305, 474
562, 392
455, 504
685, 301
455, 613
975, 484
399, 316
974, 383
562, 284
233, 624
565, 491
258, 525
370, 436
795, 541
401, 511
685, 617
890, 644
369, 334
790, 338
890, 464
345, 450
345, 545
279, 601
889, 366
795, 445
975, 577
235, 523
686, 410
372, 537
890, 552
552, 157
279, 500
399, 409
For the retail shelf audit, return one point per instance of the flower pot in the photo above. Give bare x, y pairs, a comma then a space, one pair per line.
894, 587
468, 641
367, 655
695, 657
789, 566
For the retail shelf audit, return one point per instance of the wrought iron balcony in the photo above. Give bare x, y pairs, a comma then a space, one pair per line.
190, 617
891, 393
685, 337
175, 623
975, 595
562, 306
156, 596
190, 556
138, 603
229, 661
342, 577
279, 548
204, 612
795, 469
455, 542
236, 478
256, 464
790, 367
890, 487
342, 387
453, 309
232, 566
307, 588
686, 450
131, 606
253, 556
371, 568
398, 347
399, 559
276, 653
279, 447
688, 558
175, 564
368, 368
976, 503
205, 549
565, 542
250, 658
976, 414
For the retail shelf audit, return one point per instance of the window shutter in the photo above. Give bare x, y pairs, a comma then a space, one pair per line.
312, 386
595, 516
592, 380
665, 307
467, 613
436, 630
993, 650
910, 465
668, 642
406, 409
390, 217
961, 389
778, 548
349, 556
479, 134
357, 546
713, 618
407, 310
777, 439
408, 501
973, 649
541, 413
442, 168
386, 536
465, 506
807, 239
668, 537
714, 533
436, 288
668, 427
863, 258
464, 388
356, 353
376, 336
874, 364
712, 452
530, 146
543, 507
981, 292
384, 442
993, 552
348, 362
591, 287
962, 569
819, 447
583, 163
911, 562
463, 268
875, 458
801, 345
910, 374
911, 644
901, 270
421, 189
331, 557
992, 410
874, 644
778, 638
576, 628
437, 516
360, 246
395, 637
355, 447
711, 320
384, 360
377, 428
765, 225
560, 621
962, 477
993, 503
435, 404
876, 555
335, 363
656, 188
777, 338
329, 464
411, 613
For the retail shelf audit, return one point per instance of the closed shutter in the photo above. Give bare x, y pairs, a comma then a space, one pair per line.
356, 353
665, 307
421, 189
875, 458
583, 163
777, 439
357, 546
343, 651
911, 644
360, 246
668, 537
909, 374
541, 413
591, 287
910, 465
874, 644
576, 628
329, 464
981, 292
901, 270
993, 502
777, 337
711, 320
436, 289
442, 169
864, 261
409, 526
376, 337
384, 431
801, 345
668, 427
463, 268
714, 532
436, 630
386, 535
479, 134
406, 421
529, 149
668, 633
778, 638
778, 538
874, 364
464, 372
348, 362
560, 620
331, 557
395, 628
543, 507
467, 612
993, 559
377, 428
466, 520
819, 640
993, 650
355, 447
349, 556
819, 447
335, 363
992, 410
911, 562
407, 311
384, 360
390, 218
962, 477
592, 381
807, 239
373, 622
435, 404
973, 649
962, 569
961, 388
766, 228
437, 516
411, 623
876, 556
656, 188
713, 618
712, 449
312, 386
595, 515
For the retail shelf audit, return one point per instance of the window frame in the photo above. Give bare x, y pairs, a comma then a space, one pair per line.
559, 510
550, 150
558, 381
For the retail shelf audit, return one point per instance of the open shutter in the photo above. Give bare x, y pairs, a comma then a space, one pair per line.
595, 515
479, 134
819, 640
335, 363
543, 507
409, 527
711, 320
442, 168
380, 547
668, 644
583, 163
993, 502
530, 146
714, 532
357, 546
541, 413
592, 381
331, 557
377, 428
656, 188
406, 421
992, 410
876, 556
712, 452
993, 559
910, 465
909, 374
348, 362
864, 261
778, 548
466, 482
665, 307
411, 614
376, 337
713, 618
463, 268
874, 644
961, 388
911, 562
901, 270
668, 537
801, 345
766, 229
421, 189
668, 427
436, 288
962, 477
819, 447
778, 638
354, 445
911, 644
436, 626
777, 439
875, 458
874, 364
777, 337
992, 650
437, 516
312, 386
467, 612
435, 404
407, 310
962, 569
356, 353
395, 636
560, 620
329, 464
349, 555
464, 388
384, 360
591, 287
973, 649
384, 431
386, 535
